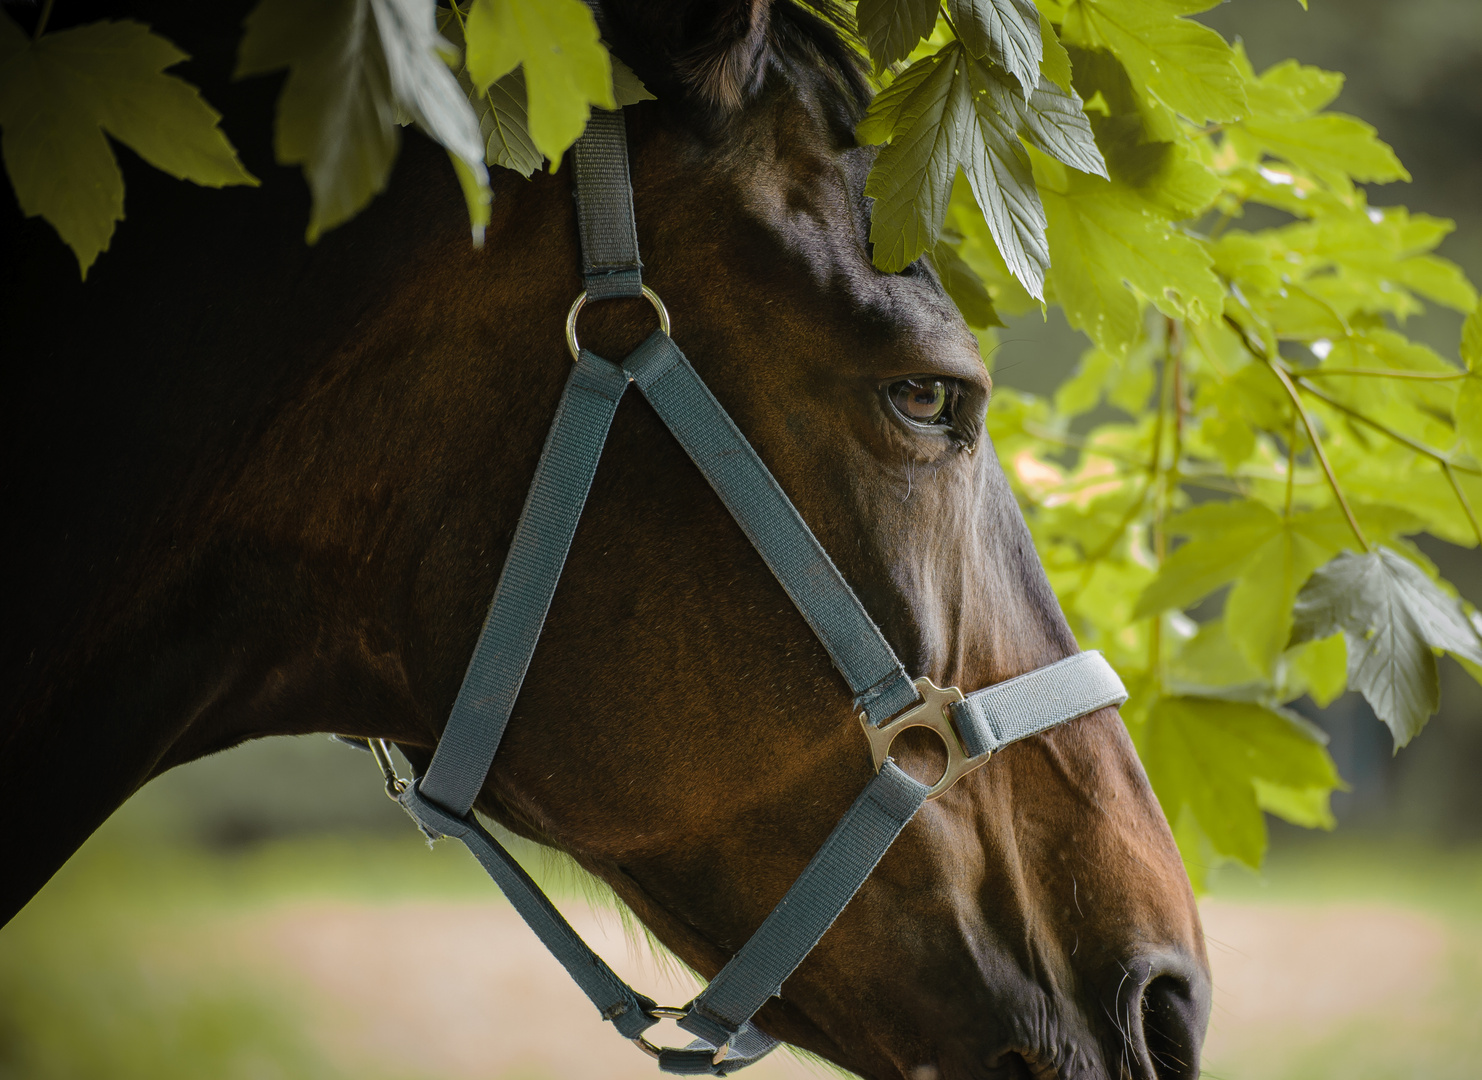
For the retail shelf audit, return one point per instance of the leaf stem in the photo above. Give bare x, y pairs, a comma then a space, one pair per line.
1386, 374
43, 20
1384, 429
1322, 457
1291, 464
1461, 497
1165, 481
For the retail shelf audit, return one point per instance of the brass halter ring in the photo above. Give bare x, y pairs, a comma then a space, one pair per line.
668, 1012
933, 713
580, 302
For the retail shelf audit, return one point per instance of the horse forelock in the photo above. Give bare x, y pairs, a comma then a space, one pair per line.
715, 58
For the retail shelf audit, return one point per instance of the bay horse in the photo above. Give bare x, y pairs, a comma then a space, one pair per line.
255, 488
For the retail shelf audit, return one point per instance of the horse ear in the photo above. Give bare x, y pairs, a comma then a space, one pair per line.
723, 63
713, 50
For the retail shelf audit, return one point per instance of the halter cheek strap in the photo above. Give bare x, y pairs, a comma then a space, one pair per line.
972, 726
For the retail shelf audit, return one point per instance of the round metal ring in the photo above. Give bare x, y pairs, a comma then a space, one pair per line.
663, 1012
580, 302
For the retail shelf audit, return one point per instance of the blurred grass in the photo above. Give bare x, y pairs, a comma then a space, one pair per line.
114, 972
1405, 871
1430, 1033
110, 973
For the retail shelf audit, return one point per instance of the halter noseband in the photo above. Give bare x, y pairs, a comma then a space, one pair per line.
971, 726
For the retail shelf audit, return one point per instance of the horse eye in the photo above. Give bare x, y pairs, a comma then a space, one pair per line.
925, 402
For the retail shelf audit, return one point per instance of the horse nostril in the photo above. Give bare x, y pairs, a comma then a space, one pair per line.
1173, 1021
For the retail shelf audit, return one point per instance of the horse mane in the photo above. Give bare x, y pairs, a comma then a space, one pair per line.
819, 36
716, 57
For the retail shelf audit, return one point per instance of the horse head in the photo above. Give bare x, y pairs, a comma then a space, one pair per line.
681, 733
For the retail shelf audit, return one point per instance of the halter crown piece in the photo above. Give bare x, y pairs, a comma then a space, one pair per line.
972, 726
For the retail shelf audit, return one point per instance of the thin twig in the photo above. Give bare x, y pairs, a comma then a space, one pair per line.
1317, 447
1461, 497
1384, 429
1322, 456
1291, 463
1386, 373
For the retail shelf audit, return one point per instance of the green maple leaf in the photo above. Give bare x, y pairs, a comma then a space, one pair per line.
891, 28
1471, 340
1469, 399
1104, 237
1392, 616
355, 68
1222, 539
962, 283
1188, 67
1268, 557
58, 97
1284, 102
1258, 609
567, 69
1206, 755
1437, 279
1332, 147
1004, 31
1053, 121
1323, 668
950, 111
922, 114
1055, 64
502, 109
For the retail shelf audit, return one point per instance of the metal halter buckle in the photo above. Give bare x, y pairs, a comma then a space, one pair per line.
580, 302
934, 713
669, 1012
395, 785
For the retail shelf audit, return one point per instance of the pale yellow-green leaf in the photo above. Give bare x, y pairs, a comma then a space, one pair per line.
1205, 754
627, 87
1055, 65
1223, 537
1323, 666
1438, 279
59, 95
1189, 67
1288, 89
1331, 146
1471, 340
1258, 611
1103, 239
337, 115
567, 69
1308, 807
1469, 413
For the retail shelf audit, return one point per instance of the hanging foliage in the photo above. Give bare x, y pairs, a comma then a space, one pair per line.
1267, 436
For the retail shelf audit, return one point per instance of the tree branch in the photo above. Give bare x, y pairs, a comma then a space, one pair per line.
1461, 497
1386, 373
1384, 429
1322, 457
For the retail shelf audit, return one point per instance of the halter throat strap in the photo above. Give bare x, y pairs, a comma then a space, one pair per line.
972, 726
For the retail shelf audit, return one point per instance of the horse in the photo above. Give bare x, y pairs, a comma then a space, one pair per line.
258, 488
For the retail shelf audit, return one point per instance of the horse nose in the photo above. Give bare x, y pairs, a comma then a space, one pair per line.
1166, 1013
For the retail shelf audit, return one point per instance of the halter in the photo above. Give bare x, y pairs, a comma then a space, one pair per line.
971, 726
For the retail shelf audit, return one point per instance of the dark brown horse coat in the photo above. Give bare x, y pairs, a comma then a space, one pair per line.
256, 489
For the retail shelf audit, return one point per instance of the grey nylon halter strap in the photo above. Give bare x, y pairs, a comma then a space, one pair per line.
972, 726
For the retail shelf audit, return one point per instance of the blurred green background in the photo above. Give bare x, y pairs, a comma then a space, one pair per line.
268, 913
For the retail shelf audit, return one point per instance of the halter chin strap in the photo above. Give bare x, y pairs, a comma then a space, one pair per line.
972, 726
